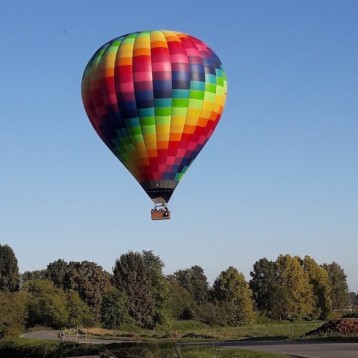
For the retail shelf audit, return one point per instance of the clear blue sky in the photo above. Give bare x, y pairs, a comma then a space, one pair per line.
279, 175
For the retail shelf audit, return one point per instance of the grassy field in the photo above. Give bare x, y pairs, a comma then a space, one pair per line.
22, 348
264, 330
162, 342
194, 330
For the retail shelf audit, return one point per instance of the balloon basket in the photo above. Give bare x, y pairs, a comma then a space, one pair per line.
160, 212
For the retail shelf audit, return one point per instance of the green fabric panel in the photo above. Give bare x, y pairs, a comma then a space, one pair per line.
148, 129
163, 120
164, 111
197, 94
180, 102
147, 121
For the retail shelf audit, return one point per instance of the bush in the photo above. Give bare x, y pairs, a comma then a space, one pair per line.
12, 313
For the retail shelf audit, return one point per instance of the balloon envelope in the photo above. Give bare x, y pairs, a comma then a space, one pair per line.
155, 98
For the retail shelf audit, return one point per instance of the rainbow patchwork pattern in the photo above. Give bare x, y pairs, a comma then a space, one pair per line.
155, 98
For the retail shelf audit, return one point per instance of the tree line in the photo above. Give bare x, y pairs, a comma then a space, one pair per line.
137, 293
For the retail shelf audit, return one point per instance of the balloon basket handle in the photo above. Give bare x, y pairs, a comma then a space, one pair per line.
160, 212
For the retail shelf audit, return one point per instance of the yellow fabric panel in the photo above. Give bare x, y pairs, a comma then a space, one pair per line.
192, 116
163, 131
157, 39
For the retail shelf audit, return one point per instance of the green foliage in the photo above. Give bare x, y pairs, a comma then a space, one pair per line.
318, 278
282, 290
78, 311
131, 276
140, 278
86, 278
56, 272
212, 313
46, 304
33, 275
195, 282
114, 310
182, 303
12, 313
90, 281
293, 293
159, 287
9, 270
262, 283
339, 286
233, 293
82, 293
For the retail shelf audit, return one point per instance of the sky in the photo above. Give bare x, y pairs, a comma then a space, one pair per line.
278, 176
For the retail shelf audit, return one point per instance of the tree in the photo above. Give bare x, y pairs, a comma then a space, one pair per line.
233, 292
159, 287
114, 311
318, 278
56, 272
78, 311
9, 270
353, 299
131, 276
33, 275
90, 281
46, 304
182, 303
139, 276
339, 286
195, 282
262, 283
293, 296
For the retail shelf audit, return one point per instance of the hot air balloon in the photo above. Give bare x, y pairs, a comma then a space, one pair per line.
155, 98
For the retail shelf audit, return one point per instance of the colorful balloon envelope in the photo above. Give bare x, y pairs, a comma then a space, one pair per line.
155, 98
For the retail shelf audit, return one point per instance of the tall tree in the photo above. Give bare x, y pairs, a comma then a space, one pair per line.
9, 270
131, 276
195, 282
56, 272
90, 281
339, 286
318, 278
262, 283
114, 310
139, 276
293, 295
159, 287
233, 292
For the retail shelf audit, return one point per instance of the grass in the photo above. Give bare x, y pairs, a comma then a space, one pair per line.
22, 348
284, 330
162, 342
189, 330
